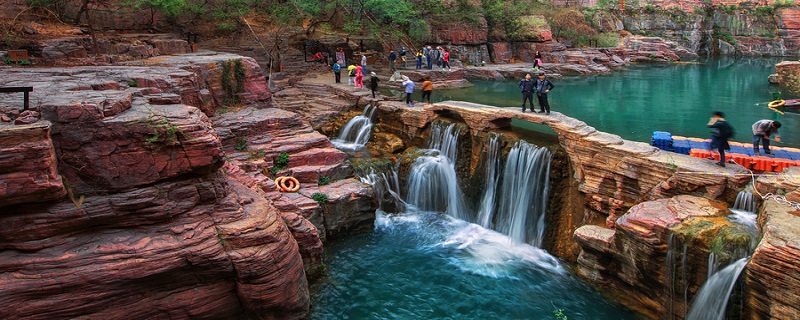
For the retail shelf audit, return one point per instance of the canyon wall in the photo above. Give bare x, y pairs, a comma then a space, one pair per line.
125, 194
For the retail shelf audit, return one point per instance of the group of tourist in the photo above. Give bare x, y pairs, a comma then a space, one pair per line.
539, 86
722, 131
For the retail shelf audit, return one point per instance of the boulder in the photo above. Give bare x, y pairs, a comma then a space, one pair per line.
28, 165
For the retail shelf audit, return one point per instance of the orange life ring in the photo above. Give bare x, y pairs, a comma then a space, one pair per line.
293, 185
777, 103
278, 181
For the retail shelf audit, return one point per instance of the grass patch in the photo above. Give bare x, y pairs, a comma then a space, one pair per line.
319, 197
323, 180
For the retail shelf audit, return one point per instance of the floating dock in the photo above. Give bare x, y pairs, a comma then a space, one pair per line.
741, 153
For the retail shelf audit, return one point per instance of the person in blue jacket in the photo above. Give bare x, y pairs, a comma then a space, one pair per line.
543, 86
337, 71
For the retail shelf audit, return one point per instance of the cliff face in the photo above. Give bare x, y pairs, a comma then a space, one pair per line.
150, 227
772, 272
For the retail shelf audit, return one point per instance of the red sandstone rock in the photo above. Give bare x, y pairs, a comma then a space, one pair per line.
28, 163
445, 31
203, 247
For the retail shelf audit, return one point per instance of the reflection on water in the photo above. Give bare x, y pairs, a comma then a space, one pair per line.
678, 98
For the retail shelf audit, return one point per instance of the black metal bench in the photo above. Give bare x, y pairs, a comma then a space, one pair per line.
25, 90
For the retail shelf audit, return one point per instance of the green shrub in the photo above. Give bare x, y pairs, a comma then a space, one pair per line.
256, 154
241, 145
323, 180
282, 162
133, 83
319, 197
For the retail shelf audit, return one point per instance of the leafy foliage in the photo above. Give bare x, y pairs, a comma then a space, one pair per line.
323, 180
319, 197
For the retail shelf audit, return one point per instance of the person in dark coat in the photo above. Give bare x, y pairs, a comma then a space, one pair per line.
527, 87
722, 131
543, 86
373, 83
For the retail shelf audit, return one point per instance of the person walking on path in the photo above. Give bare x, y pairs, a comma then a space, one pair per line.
340, 57
419, 59
762, 130
337, 72
364, 63
359, 77
527, 86
722, 131
392, 58
351, 74
373, 83
543, 86
427, 89
429, 58
403, 56
445, 60
409, 89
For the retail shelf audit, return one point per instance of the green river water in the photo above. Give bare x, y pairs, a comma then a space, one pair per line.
676, 98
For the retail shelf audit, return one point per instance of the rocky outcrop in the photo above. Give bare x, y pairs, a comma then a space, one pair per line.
151, 226
185, 248
28, 166
787, 76
655, 258
772, 271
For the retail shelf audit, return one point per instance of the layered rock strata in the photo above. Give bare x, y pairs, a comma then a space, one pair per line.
772, 273
150, 225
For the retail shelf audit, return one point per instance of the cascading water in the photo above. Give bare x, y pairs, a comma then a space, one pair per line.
387, 187
444, 138
712, 299
488, 199
523, 196
433, 186
356, 133
744, 214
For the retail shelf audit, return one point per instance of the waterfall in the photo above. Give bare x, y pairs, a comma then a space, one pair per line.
490, 183
745, 202
523, 197
672, 244
712, 299
712, 265
743, 214
387, 188
433, 186
355, 134
444, 138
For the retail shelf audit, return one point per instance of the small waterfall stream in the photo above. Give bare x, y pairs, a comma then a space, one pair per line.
356, 133
444, 137
523, 196
712, 299
432, 180
492, 176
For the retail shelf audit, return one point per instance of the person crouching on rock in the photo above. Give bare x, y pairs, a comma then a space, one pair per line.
720, 135
409, 89
527, 86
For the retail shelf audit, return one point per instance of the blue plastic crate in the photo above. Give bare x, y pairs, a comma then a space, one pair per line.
681, 146
742, 150
794, 155
661, 135
704, 145
781, 154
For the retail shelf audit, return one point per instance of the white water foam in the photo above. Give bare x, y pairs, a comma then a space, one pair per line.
477, 250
